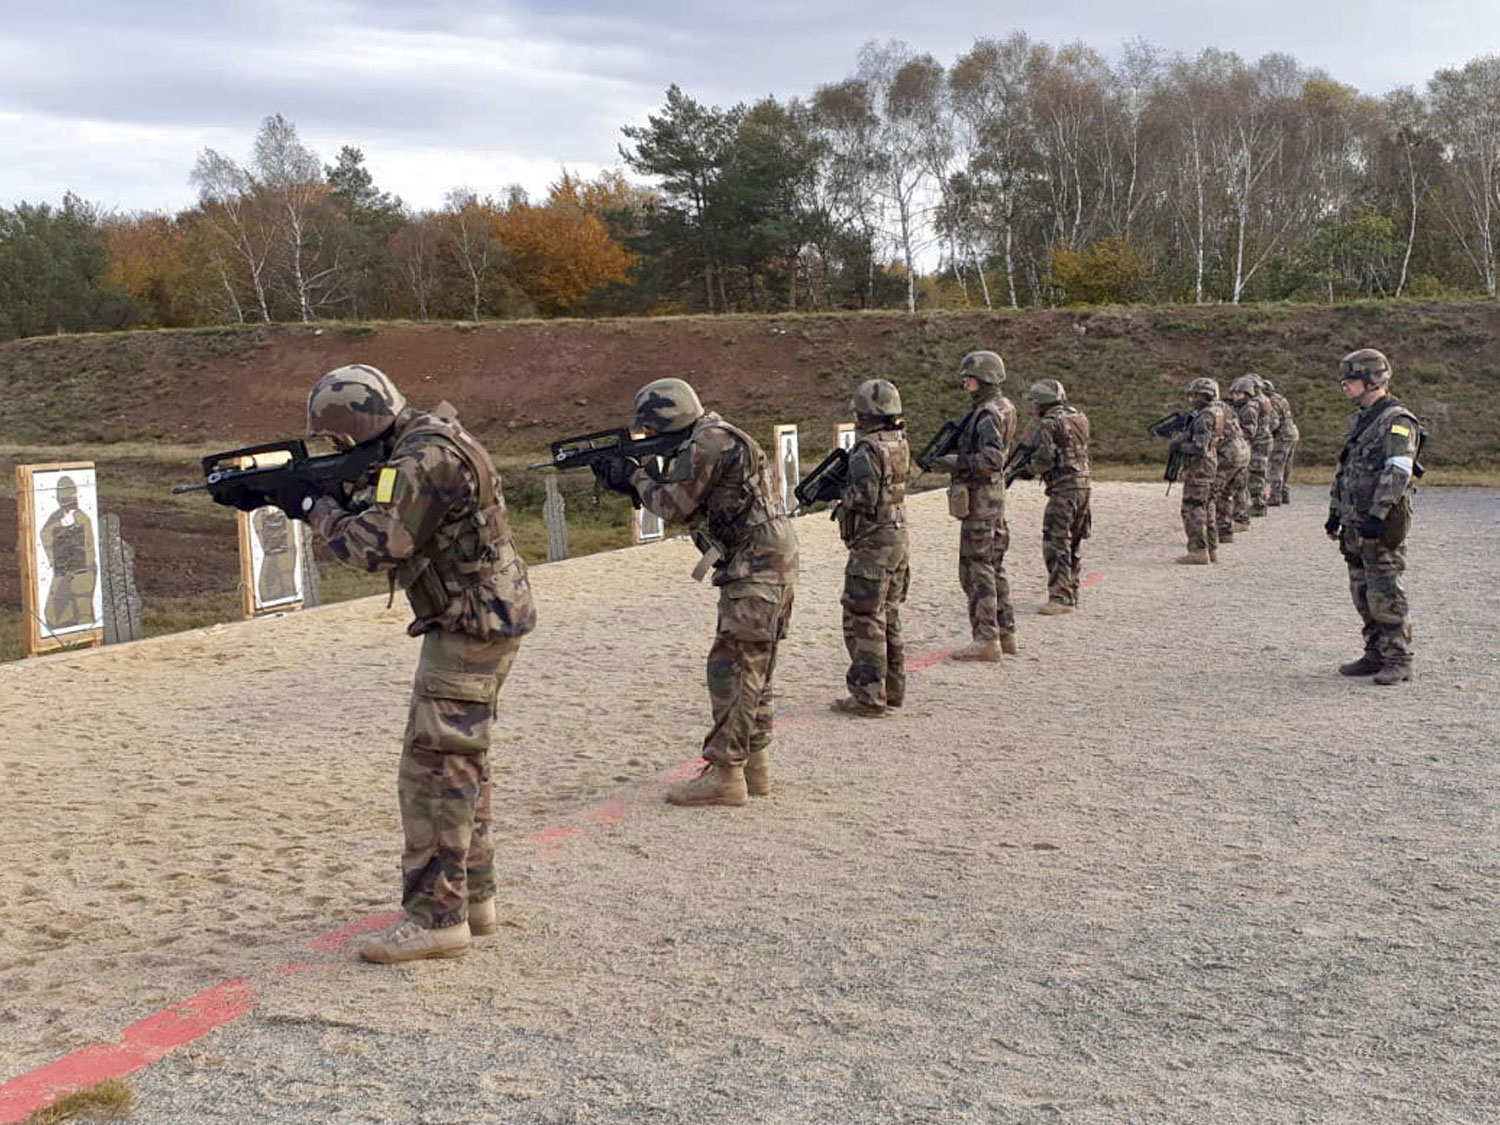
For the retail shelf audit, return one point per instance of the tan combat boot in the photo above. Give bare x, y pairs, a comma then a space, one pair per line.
718, 783
758, 773
1242, 525
483, 919
407, 941
986, 651
1008, 644
1052, 609
848, 705
1194, 558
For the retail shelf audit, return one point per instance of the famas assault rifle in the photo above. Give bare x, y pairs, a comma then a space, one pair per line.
825, 483
943, 443
262, 475
1018, 464
594, 451
1172, 427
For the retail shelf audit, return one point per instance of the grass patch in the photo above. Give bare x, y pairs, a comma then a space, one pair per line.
109, 1100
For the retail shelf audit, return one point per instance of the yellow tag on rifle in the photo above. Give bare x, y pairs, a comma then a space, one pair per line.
385, 486
1398, 428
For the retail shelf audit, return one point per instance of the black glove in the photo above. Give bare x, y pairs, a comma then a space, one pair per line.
296, 498
615, 473
1372, 527
1025, 472
1332, 524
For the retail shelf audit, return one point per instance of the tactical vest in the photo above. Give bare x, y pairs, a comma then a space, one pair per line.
468, 548
1070, 434
968, 438
744, 498
893, 455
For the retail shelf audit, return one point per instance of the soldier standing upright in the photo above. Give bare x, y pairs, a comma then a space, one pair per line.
435, 518
1199, 447
1060, 444
872, 523
976, 497
1234, 463
1283, 448
719, 482
1256, 417
1369, 513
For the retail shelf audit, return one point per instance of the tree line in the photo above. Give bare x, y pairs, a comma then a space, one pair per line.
1020, 174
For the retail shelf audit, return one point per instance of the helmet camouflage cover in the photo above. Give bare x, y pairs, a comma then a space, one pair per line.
353, 404
1046, 392
1245, 385
1266, 386
666, 405
1366, 364
876, 396
1203, 385
987, 367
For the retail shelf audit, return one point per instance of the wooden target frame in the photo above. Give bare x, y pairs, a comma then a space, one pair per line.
31, 523
785, 446
844, 436
645, 525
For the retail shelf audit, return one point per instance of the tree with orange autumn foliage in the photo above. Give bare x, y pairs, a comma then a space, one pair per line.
561, 251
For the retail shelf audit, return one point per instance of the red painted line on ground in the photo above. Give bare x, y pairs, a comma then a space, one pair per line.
335, 940
152, 1038
140, 1045
1093, 578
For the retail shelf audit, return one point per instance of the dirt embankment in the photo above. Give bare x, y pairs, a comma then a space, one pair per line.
518, 385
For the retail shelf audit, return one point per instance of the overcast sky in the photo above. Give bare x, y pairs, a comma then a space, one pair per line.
115, 100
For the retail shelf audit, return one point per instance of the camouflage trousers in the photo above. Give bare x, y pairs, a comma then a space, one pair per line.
444, 779
1279, 470
1198, 515
753, 618
1260, 458
981, 573
875, 585
1229, 493
1066, 523
1375, 585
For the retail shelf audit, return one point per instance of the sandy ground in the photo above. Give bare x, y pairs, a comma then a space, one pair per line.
1162, 866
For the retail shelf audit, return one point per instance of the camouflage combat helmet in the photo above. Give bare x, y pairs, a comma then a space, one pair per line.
1046, 392
876, 396
67, 493
1266, 386
1205, 386
353, 404
666, 405
1245, 385
1366, 364
987, 367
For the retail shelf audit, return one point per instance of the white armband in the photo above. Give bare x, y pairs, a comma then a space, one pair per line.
1402, 463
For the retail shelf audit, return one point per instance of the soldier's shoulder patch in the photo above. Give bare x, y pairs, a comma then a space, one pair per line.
1401, 429
385, 485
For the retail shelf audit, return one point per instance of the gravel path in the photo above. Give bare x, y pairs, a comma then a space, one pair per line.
1164, 866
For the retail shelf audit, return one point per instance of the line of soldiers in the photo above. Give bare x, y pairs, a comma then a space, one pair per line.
1236, 460
1237, 464
434, 517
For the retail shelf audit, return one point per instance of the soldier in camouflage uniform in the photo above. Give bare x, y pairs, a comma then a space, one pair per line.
719, 483
872, 523
1283, 448
435, 519
976, 497
1230, 478
1060, 442
1199, 445
1370, 511
1257, 419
